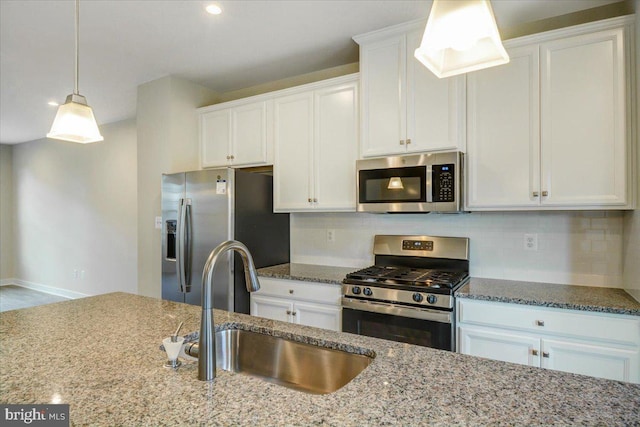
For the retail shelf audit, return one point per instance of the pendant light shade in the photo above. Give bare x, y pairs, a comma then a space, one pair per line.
460, 36
74, 121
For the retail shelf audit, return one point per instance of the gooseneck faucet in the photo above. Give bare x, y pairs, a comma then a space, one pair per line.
207, 344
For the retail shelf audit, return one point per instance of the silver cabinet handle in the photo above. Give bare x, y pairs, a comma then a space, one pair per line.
408, 141
534, 352
539, 322
402, 142
545, 193
536, 194
545, 354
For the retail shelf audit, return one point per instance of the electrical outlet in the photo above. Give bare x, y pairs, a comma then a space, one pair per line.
76, 274
158, 223
331, 235
530, 242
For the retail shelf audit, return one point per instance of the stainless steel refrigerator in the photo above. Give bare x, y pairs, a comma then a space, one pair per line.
202, 209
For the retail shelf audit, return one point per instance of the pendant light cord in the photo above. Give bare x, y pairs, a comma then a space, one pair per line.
75, 87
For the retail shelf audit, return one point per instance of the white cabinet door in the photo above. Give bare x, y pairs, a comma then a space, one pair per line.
382, 70
271, 308
318, 315
597, 361
583, 120
215, 138
250, 136
498, 345
435, 113
335, 147
293, 149
235, 136
504, 133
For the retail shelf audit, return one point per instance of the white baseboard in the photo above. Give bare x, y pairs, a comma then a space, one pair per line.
43, 288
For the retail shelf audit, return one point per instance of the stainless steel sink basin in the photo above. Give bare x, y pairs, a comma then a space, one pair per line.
300, 366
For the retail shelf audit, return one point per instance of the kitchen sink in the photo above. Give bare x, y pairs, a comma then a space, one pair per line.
292, 364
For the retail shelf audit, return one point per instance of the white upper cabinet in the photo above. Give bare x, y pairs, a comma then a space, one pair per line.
584, 120
552, 129
316, 145
237, 133
405, 107
503, 144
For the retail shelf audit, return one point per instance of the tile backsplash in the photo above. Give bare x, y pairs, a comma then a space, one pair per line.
582, 248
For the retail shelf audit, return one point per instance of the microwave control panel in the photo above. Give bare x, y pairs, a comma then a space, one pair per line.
443, 177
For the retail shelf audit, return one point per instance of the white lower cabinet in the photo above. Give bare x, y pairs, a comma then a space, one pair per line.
595, 344
304, 303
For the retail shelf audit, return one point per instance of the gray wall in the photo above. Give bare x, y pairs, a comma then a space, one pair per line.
632, 219
6, 213
167, 136
75, 213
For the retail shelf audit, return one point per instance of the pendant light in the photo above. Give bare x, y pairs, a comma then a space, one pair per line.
460, 36
74, 120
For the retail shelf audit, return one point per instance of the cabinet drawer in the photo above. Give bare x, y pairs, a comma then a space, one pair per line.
593, 326
299, 290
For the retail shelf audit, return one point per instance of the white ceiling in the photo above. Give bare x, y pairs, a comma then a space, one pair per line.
124, 43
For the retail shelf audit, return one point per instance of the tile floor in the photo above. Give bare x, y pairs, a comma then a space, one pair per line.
14, 297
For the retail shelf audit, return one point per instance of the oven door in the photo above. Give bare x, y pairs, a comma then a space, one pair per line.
428, 328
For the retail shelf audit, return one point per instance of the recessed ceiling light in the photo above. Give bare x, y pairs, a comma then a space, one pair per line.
53, 103
214, 9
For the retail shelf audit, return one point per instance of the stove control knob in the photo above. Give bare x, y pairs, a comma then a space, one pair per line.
367, 291
417, 297
355, 290
431, 299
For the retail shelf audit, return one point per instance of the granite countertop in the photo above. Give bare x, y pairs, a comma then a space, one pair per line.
307, 272
586, 298
100, 355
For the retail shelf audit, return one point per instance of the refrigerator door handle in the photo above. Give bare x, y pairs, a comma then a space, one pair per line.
187, 246
182, 253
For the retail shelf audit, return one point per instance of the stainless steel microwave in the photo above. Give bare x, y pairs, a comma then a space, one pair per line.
416, 183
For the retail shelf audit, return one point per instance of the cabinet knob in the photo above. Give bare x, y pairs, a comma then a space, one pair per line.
315, 200
288, 311
545, 354
545, 193
402, 142
232, 157
290, 291
534, 352
309, 199
294, 313
540, 322
228, 157
536, 194
408, 141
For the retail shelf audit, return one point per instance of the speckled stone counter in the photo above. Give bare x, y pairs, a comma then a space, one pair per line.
100, 355
586, 298
307, 272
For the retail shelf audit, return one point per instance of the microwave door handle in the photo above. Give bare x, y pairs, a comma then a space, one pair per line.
429, 184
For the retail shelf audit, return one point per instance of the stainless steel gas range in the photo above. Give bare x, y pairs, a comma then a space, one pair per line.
408, 295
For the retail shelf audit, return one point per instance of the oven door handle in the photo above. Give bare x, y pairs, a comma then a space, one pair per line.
396, 310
